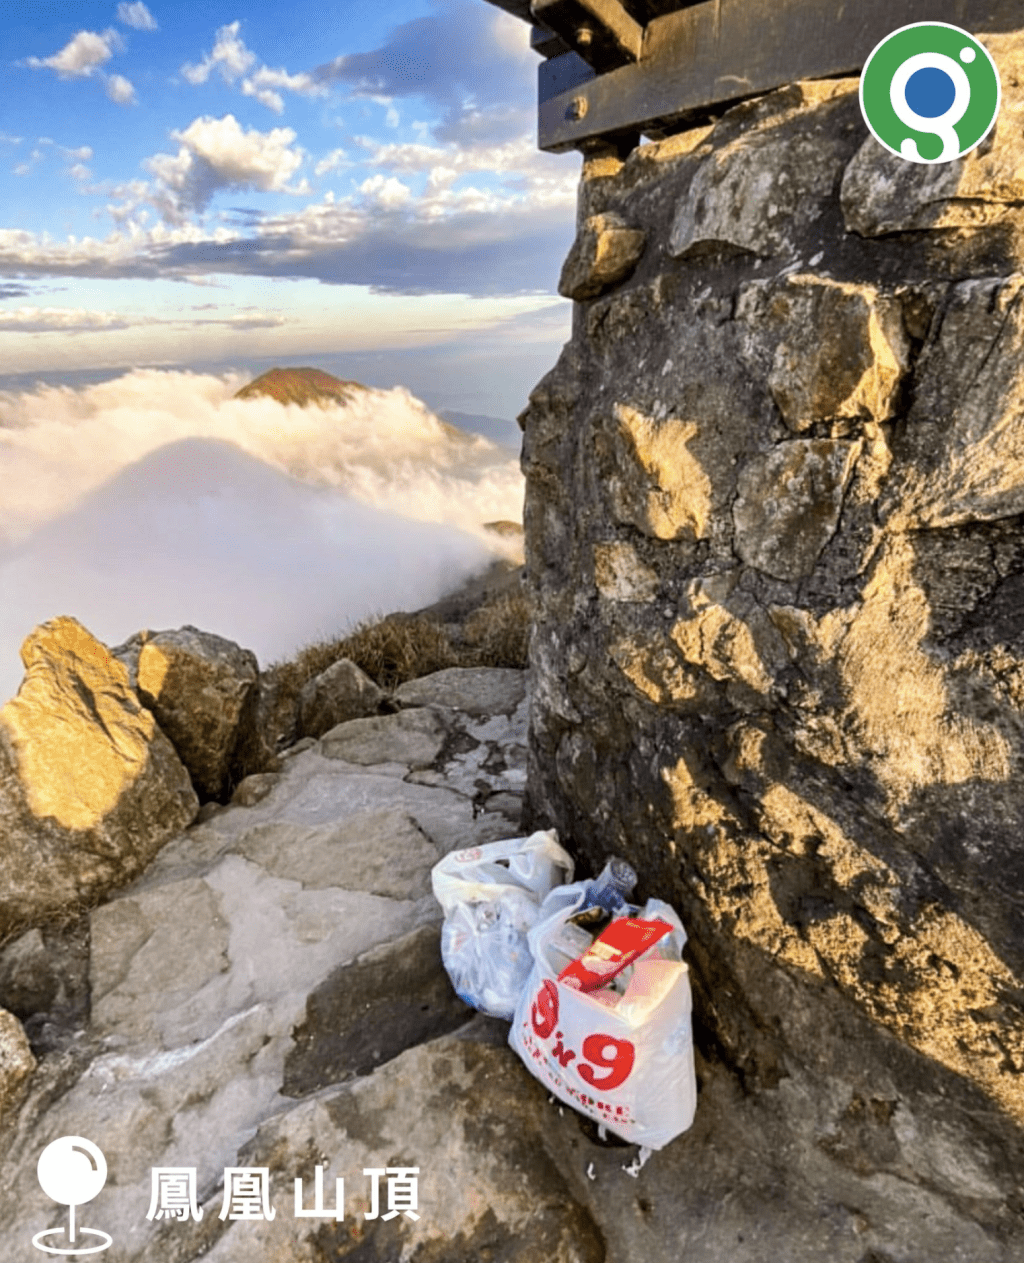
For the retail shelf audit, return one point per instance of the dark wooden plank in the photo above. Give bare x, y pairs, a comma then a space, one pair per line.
642, 10
547, 43
724, 50
602, 32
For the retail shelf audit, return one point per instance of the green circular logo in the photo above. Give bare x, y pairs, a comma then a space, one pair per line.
929, 92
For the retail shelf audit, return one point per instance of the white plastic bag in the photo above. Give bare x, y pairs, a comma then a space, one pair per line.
626, 1062
491, 896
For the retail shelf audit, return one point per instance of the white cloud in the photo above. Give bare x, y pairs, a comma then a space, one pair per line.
483, 214
334, 161
249, 318
82, 154
232, 60
72, 320
506, 239
230, 57
513, 155
253, 320
136, 15
120, 90
471, 59
158, 499
385, 191
34, 158
261, 85
60, 319
81, 56
216, 153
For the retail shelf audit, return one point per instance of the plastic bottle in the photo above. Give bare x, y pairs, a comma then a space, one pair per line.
611, 890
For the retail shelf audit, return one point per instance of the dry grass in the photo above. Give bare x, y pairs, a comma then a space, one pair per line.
498, 634
402, 647
397, 648
390, 650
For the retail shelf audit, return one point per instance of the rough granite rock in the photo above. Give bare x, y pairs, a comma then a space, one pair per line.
605, 252
269, 995
760, 190
90, 788
340, 693
788, 504
371, 1009
775, 545
197, 685
856, 372
455, 1111
414, 737
478, 691
16, 1063
44, 982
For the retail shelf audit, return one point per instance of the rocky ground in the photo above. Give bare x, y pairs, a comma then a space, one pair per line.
269, 994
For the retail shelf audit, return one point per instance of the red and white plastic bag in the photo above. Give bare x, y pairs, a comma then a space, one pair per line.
624, 1060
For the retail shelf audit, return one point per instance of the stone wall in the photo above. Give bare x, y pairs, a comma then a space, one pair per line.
775, 541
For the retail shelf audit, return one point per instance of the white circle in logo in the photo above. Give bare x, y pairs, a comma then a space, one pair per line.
72, 1170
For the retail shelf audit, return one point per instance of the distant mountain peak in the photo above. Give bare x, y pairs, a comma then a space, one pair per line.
300, 385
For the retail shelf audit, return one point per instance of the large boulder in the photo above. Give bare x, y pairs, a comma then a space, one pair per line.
197, 685
775, 542
477, 691
90, 788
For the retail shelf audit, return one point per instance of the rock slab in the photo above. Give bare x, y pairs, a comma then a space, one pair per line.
90, 788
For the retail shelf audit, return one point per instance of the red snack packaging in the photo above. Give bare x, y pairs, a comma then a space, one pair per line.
617, 946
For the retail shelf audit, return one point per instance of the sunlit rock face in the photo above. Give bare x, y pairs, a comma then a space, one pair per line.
199, 689
775, 537
90, 788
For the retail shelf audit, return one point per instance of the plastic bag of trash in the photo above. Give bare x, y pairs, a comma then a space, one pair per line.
491, 896
621, 1053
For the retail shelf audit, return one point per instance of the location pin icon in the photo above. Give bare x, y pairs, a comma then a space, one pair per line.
71, 1171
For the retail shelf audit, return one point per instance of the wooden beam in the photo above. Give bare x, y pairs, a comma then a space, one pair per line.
724, 50
602, 32
547, 43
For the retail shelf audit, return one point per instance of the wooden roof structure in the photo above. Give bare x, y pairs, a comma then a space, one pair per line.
616, 69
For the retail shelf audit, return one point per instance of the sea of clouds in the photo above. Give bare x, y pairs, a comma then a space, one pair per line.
157, 499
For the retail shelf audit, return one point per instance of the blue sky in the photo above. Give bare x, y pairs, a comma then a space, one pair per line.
355, 186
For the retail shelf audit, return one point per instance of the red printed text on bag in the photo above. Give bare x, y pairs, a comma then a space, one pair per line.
603, 1062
